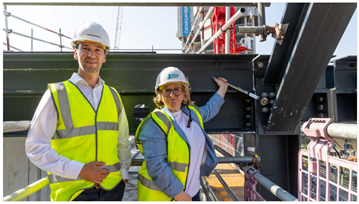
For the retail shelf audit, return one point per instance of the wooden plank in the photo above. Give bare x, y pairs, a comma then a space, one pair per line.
232, 177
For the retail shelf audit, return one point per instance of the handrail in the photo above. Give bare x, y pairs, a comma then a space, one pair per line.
8, 31
28, 190
26, 36
13, 47
336, 130
270, 186
8, 14
16, 126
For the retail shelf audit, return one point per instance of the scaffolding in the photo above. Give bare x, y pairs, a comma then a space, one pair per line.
244, 32
10, 31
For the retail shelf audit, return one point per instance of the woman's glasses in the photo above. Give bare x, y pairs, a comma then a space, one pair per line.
176, 91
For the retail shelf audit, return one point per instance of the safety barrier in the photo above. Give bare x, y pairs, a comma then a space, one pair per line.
322, 177
253, 175
38, 185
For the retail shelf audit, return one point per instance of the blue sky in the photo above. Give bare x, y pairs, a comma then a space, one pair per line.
142, 27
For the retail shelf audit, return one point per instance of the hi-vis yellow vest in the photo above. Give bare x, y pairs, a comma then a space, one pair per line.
85, 135
178, 157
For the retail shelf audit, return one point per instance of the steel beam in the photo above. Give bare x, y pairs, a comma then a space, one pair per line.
131, 4
133, 75
317, 39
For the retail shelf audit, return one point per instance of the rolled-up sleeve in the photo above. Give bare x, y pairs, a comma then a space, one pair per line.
154, 145
123, 146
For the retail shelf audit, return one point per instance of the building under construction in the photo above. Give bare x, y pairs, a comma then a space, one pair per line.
287, 131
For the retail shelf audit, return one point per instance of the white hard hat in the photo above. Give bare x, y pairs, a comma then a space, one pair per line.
169, 75
91, 31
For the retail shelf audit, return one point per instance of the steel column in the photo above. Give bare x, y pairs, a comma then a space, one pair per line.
318, 37
293, 16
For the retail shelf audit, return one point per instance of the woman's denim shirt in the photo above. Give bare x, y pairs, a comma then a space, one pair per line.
154, 143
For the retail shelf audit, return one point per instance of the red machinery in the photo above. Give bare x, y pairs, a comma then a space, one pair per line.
218, 20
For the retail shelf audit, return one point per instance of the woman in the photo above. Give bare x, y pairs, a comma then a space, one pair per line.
172, 139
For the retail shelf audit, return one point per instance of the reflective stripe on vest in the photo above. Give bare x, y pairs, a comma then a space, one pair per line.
178, 166
64, 105
148, 183
117, 100
73, 132
55, 179
166, 125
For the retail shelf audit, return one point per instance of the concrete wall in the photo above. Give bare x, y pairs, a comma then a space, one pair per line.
18, 171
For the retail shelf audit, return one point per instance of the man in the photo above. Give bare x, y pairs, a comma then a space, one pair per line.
79, 132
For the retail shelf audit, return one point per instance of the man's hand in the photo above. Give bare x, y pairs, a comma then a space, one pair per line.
91, 172
182, 196
125, 180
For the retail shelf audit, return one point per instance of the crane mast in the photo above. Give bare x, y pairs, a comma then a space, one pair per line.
118, 27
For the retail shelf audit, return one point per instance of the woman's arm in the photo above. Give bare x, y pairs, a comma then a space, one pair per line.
223, 86
214, 104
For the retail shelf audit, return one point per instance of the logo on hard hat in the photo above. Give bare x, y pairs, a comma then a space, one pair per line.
173, 76
93, 35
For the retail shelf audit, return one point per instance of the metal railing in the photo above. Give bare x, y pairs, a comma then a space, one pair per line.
10, 31
269, 185
253, 177
336, 130
27, 191
15, 126
38, 185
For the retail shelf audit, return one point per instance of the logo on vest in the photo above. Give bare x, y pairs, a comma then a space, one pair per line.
173, 76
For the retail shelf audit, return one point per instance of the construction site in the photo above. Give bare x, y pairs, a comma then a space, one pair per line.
287, 131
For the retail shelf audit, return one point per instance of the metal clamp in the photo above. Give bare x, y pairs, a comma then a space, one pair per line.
318, 132
251, 175
7, 14
250, 191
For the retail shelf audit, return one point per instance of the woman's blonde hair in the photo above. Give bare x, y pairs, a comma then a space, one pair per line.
186, 101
